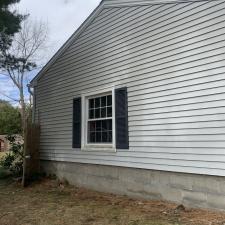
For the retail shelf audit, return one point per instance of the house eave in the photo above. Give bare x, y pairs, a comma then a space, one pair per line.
124, 3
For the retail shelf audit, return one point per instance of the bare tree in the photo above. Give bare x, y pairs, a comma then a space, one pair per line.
25, 54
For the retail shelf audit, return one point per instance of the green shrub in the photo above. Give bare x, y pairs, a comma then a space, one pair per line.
13, 161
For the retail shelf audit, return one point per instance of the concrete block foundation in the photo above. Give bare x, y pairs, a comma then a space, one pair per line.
188, 189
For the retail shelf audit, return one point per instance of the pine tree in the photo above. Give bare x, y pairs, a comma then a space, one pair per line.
9, 20
9, 24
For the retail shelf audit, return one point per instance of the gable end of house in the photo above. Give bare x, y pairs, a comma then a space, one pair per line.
103, 4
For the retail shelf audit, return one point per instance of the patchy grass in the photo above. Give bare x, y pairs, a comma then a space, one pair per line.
48, 203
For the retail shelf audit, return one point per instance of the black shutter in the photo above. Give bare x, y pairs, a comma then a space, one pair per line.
77, 123
121, 111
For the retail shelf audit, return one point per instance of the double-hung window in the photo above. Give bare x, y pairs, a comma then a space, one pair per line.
100, 120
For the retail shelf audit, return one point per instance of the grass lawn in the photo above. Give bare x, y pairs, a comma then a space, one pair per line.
48, 203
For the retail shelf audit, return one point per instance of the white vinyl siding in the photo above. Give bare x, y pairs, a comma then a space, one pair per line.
171, 57
147, 2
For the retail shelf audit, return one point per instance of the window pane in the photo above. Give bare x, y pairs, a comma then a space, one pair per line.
91, 103
91, 114
109, 100
109, 124
109, 111
104, 137
92, 126
92, 137
103, 112
98, 125
98, 137
97, 113
103, 101
104, 125
110, 136
97, 102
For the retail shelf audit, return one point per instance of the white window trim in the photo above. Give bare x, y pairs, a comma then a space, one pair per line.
85, 146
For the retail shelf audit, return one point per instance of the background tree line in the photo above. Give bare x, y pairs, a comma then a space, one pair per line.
10, 119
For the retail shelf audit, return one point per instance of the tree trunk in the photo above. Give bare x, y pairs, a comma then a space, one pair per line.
24, 127
23, 112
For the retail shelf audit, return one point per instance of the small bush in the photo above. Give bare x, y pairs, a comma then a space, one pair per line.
13, 161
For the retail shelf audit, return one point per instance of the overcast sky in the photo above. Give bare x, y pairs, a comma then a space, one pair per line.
63, 18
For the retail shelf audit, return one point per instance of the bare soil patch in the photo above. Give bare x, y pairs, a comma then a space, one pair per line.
50, 203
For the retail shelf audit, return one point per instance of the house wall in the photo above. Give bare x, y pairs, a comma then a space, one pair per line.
172, 59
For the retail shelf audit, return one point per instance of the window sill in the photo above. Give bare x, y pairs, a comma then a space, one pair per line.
98, 148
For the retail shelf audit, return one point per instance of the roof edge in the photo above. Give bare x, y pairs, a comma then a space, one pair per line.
121, 3
62, 49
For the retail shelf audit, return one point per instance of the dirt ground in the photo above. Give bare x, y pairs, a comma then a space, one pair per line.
48, 202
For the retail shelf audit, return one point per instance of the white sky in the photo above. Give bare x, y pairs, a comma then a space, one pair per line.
63, 18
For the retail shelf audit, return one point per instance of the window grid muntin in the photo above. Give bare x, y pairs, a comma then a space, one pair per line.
95, 110
100, 133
